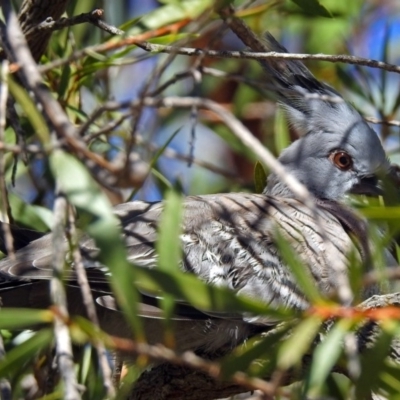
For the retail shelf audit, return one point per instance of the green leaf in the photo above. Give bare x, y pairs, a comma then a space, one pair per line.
76, 182
313, 7
36, 217
389, 379
64, 81
326, 355
16, 318
282, 135
154, 160
35, 117
260, 177
373, 360
381, 213
300, 340
242, 358
21, 354
169, 13
169, 249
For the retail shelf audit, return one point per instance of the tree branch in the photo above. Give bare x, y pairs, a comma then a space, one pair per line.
186, 382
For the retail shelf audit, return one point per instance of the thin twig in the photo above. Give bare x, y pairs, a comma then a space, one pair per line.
58, 296
140, 40
92, 17
89, 304
374, 120
114, 45
340, 58
5, 206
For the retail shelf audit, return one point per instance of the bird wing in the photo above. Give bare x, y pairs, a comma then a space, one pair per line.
228, 240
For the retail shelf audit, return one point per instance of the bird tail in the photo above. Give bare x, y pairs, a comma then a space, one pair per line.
21, 236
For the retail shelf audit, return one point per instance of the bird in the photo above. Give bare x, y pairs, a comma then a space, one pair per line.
229, 240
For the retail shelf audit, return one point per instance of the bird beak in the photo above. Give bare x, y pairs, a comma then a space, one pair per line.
369, 186
385, 183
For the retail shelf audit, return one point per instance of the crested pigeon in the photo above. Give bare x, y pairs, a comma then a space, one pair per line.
229, 239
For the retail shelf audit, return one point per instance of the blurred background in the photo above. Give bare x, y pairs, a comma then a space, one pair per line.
201, 155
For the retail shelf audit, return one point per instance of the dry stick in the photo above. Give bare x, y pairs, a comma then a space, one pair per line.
190, 51
92, 17
374, 120
5, 387
237, 128
15, 149
114, 45
89, 304
262, 55
5, 207
161, 353
58, 296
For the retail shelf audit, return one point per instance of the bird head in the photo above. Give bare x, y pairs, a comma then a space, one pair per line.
337, 152
348, 158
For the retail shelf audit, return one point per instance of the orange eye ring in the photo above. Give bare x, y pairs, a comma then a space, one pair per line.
341, 160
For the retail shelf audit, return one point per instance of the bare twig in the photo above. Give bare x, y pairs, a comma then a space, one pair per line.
93, 17
5, 207
58, 296
259, 55
374, 120
140, 40
89, 304
114, 45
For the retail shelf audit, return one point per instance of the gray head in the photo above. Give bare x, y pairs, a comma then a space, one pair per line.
345, 159
338, 152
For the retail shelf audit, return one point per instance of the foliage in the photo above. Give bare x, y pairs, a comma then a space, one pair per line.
127, 142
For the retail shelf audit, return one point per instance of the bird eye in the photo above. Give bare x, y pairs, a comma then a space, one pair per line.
342, 160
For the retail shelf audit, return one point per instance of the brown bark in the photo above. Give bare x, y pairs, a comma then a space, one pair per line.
31, 14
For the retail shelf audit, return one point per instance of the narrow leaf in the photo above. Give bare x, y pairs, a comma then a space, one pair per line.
313, 7
21, 354
14, 318
326, 355
294, 348
260, 177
